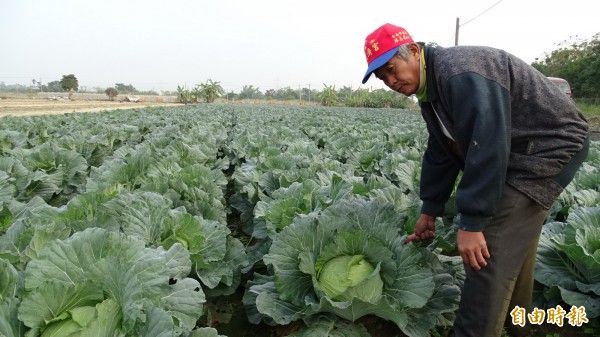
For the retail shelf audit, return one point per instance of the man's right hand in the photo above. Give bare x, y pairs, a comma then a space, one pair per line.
424, 229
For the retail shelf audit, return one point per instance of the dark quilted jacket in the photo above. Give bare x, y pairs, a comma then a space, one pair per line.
509, 124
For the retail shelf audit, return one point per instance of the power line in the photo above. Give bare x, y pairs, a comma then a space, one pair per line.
477, 16
480, 14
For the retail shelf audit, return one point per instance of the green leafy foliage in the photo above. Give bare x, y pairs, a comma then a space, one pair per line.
329, 95
210, 90
569, 259
578, 62
134, 214
331, 327
415, 286
111, 276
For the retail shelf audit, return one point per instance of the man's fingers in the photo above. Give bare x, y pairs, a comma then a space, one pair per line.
412, 237
486, 253
481, 262
426, 235
482, 256
476, 260
470, 259
420, 237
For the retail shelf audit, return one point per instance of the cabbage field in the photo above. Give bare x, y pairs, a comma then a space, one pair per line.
246, 220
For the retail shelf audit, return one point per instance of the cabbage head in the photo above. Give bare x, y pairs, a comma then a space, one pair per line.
350, 260
345, 277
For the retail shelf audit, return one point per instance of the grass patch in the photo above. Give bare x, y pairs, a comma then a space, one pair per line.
591, 111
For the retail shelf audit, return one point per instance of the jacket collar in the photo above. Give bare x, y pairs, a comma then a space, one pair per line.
431, 78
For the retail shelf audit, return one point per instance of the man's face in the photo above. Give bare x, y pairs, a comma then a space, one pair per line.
400, 75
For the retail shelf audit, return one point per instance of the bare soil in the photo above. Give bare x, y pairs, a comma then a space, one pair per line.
30, 107
594, 122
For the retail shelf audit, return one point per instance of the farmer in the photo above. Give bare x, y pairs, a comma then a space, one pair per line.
518, 141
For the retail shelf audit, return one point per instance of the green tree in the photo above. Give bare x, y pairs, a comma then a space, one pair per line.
210, 90
576, 61
306, 94
111, 93
287, 94
344, 93
358, 98
271, 94
126, 88
69, 83
329, 95
148, 92
54, 86
379, 98
231, 95
250, 92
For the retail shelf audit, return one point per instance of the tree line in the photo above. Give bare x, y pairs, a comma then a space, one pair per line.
328, 96
71, 83
578, 62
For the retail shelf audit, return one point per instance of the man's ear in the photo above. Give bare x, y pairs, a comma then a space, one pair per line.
414, 48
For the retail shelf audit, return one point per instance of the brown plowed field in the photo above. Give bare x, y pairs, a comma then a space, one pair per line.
28, 107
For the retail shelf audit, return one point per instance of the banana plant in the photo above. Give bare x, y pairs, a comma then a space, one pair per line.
329, 95
186, 96
210, 91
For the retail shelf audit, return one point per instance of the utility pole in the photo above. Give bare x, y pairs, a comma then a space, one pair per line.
456, 33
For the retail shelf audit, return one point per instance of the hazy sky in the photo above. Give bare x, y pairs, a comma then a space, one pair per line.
269, 44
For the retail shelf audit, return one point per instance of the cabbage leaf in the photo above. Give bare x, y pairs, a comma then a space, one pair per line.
108, 272
568, 258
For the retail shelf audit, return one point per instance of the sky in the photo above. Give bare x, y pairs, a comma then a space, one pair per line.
269, 44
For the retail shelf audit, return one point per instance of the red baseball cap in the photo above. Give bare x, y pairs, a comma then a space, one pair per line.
381, 46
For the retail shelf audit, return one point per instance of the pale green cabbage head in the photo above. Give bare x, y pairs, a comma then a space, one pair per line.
345, 277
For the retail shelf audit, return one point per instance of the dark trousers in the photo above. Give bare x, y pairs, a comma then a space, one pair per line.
490, 294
